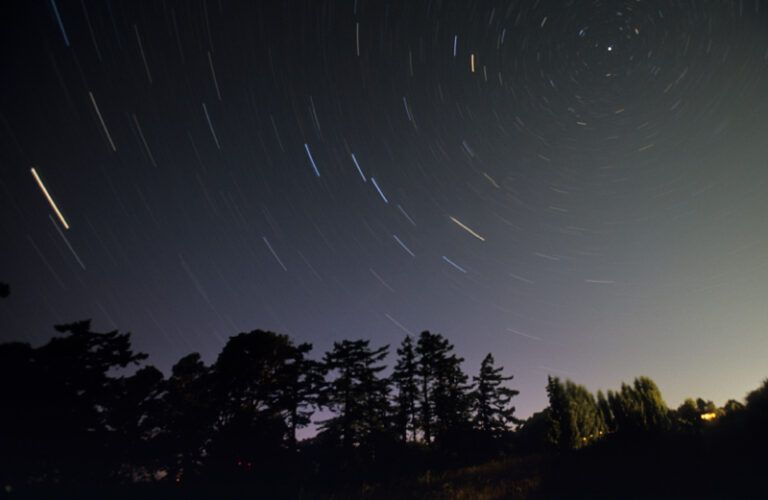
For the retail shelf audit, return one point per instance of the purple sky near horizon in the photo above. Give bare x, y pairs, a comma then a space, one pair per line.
576, 187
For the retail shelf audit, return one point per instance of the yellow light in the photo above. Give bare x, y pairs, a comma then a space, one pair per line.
48, 197
709, 416
472, 62
466, 228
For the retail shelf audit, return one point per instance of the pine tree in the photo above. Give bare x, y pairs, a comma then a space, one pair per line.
491, 400
188, 417
357, 394
444, 401
260, 402
301, 390
404, 379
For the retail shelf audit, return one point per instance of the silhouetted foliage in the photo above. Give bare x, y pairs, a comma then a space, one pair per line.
493, 413
577, 419
356, 393
258, 385
639, 408
187, 417
63, 418
77, 421
444, 401
405, 383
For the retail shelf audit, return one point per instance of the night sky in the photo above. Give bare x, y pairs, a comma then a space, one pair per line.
578, 187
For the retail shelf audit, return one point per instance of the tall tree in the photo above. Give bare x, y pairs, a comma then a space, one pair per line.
563, 426
136, 419
187, 417
493, 412
256, 381
58, 402
356, 392
639, 408
404, 380
576, 413
605, 411
444, 401
301, 390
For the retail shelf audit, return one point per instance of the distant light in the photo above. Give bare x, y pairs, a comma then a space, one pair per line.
472, 62
709, 416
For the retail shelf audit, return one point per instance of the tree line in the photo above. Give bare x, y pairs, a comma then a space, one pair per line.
74, 413
84, 412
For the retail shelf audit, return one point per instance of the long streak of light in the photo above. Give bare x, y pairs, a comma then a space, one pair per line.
400, 242
213, 73
66, 240
381, 280
360, 170
143, 56
144, 140
452, 263
274, 254
50, 200
210, 125
101, 119
311, 160
61, 24
405, 214
399, 325
381, 193
467, 229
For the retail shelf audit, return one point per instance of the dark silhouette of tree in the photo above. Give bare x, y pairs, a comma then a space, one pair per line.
563, 429
135, 419
757, 400
405, 382
304, 379
445, 404
605, 412
255, 384
60, 405
493, 413
22, 423
76, 419
690, 415
732, 406
639, 408
757, 414
356, 393
538, 432
187, 417
578, 420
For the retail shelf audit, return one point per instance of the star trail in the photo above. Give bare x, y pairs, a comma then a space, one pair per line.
577, 187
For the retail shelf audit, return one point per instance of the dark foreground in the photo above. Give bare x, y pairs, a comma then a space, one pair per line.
718, 465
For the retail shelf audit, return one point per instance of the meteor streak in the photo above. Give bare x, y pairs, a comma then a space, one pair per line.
467, 229
48, 197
